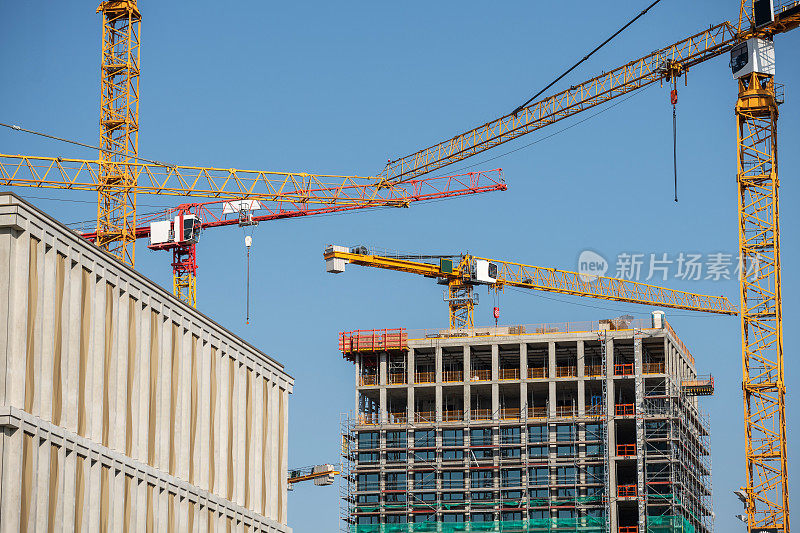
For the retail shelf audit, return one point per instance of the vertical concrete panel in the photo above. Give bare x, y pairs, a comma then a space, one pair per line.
30, 324
71, 366
18, 295
58, 343
153, 391
128, 319
45, 335
193, 410
230, 436
54, 489
213, 453
202, 428
26, 521
42, 482
283, 444
96, 367
163, 429
104, 500
184, 405
272, 451
265, 442
93, 491
6, 314
83, 354
173, 398
248, 435
11, 464
80, 486
108, 338
256, 447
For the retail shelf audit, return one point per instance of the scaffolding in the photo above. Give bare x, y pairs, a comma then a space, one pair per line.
468, 437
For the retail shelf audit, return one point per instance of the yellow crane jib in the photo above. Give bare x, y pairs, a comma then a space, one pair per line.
463, 272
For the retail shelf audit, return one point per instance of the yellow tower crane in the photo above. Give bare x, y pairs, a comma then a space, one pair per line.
119, 174
749, 40
463, 273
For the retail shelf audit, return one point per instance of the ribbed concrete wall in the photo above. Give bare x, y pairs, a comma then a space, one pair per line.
121, 408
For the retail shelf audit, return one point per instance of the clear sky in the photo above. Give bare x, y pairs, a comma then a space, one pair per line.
341, 87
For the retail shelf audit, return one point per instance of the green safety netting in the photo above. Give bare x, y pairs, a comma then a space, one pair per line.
554, 525
509, 503
655, 524
669, 524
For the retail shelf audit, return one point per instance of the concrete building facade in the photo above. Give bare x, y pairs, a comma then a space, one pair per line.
122, 408
588, 427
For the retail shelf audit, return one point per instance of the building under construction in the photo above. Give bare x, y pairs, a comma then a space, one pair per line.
121, 407
589, 427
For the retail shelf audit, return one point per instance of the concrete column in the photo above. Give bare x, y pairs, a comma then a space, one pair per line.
357, 369
551, 372
523, 386
438, 398
639, 409
437, 364
410, 371
495, 385
383, 377
466, 383
581, 362
611, 437
383, 404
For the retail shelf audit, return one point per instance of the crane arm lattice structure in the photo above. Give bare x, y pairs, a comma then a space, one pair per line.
293, 205
463, 273
662, 64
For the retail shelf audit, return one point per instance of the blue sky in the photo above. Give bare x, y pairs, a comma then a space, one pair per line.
340, 88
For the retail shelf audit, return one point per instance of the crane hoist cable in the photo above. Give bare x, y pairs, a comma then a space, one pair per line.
248, 242
587, 56
673, 97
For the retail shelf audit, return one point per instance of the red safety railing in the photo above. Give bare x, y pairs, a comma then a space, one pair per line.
372, 340
626, 449
626, 491
624, 409
623, 369
628, 529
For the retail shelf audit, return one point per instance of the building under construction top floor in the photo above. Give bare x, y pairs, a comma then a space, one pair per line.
587, 427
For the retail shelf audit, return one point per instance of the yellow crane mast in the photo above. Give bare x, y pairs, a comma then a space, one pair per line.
463, 273
749, 40
118, 175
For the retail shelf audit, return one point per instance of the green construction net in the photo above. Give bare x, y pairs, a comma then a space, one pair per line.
655, 524
669, 524
555, 525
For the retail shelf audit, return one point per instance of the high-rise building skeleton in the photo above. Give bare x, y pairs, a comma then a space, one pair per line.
587, 427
